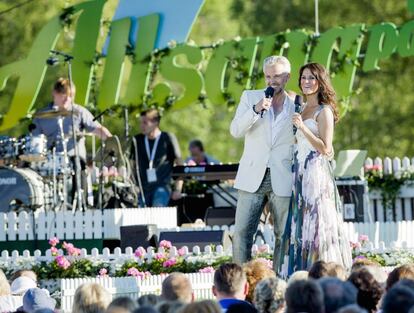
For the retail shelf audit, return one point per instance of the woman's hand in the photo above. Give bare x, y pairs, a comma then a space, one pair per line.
297, 121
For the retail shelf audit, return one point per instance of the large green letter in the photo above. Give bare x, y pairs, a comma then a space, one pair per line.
406, 40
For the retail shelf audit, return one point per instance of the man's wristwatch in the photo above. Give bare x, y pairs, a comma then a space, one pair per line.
254, 109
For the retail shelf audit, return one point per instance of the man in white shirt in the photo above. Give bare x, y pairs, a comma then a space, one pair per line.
265, 168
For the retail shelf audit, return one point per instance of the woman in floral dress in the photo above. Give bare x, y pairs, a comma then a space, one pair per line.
314, 228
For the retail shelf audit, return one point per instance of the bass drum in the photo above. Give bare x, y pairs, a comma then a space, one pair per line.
20, 189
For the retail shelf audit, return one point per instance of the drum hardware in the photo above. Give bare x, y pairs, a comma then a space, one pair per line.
33, 148
54, 113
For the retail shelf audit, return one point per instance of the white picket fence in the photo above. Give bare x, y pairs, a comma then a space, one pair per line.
134, 287
404, 205
91, 224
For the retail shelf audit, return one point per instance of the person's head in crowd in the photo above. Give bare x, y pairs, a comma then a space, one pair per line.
398, 273
146, 309
361, 262
256, 270
24, 272
169, 306
304, 296
369, 290
148, 300
63, 93
122, 305
276, 70
319, 269
241, 307
337, 293
298, 275
269, 295
378, 272
337, 270
45, 310
4, 285
398, 298
91, 298
150, 121
35, 299
352, 308
205, 306
21, 284
406, 282
230, 282
177, 286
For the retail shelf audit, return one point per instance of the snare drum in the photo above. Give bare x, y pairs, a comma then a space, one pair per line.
34, 148
49, 167
8, 148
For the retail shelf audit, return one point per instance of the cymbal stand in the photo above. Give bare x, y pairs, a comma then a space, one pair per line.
65, 164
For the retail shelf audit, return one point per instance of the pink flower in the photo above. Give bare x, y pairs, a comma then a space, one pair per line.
208, 269
165, 244
159, 256
70, 248
136, 273
54, 250
103, 272
53, 241
62, 262
182, 251
170, 262
355, 245
363, 238
140, 252
263, 249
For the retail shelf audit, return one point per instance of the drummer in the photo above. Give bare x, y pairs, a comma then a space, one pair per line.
46, 122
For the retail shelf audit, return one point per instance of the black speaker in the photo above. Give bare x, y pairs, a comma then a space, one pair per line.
220, 216
352, 198
200, 238
138, 235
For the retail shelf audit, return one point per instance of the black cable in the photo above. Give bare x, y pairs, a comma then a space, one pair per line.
15, 7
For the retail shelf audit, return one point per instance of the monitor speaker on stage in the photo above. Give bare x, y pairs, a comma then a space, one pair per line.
197, 238
220, 216
138, 236
352, 194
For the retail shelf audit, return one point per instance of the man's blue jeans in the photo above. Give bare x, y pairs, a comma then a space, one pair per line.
159, 197
249, 208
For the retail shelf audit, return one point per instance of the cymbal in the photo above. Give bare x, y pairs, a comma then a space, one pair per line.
54, 113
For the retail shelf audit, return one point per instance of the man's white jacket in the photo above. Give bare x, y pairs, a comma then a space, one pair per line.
260, 149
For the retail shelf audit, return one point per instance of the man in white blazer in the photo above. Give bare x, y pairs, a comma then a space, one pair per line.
265, 168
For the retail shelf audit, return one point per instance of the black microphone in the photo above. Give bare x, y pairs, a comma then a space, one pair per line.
52, 61
268, 94
298, 109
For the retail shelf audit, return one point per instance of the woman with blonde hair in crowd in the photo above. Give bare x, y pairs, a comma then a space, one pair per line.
91, 298
8, 302
269, 296
256, 270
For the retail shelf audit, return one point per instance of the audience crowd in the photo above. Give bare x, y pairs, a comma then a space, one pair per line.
253, 287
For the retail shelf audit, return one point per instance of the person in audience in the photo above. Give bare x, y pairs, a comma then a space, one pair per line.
304, 296
337, 293
230, 285
352, 308
21, 284
242, 307
122, 305
398, 273
319, 269
399, 298
177, 286
360, 262
169, 306
8, 302
36, 299
24, 272
146, 309
205, 306
337, 270
91, 298
369, 290
298, 275
148, 300
269, 295
256, 270
197, 154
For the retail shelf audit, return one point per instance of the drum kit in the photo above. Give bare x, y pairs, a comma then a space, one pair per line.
31, 176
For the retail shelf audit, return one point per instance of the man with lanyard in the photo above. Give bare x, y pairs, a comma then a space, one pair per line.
154, 155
